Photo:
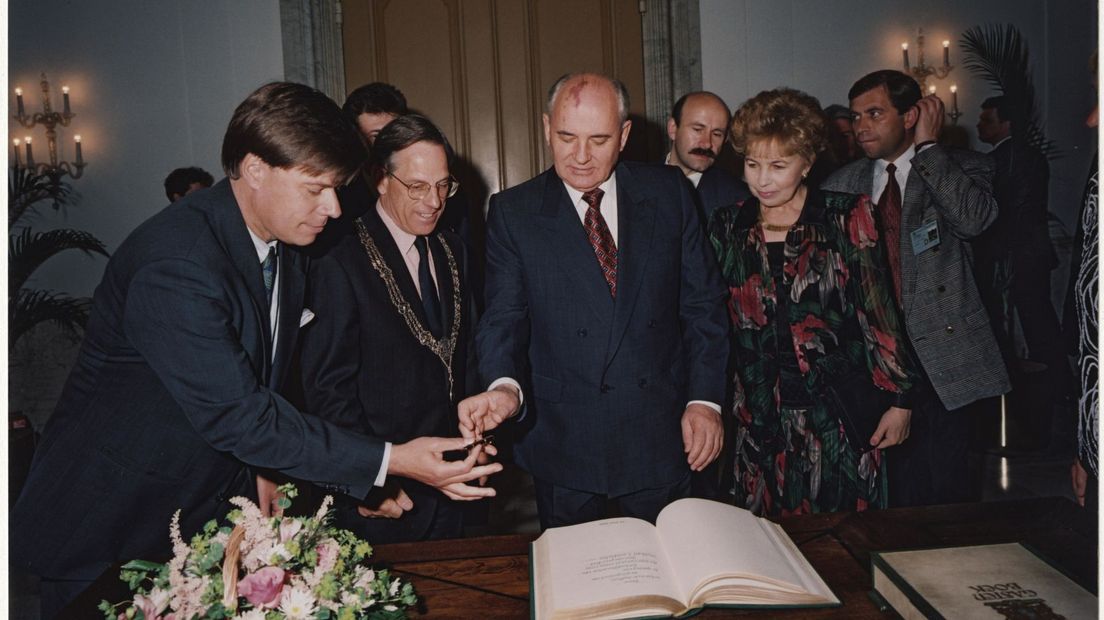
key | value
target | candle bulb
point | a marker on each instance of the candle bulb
(30, 155)
(946, 53)
(19, 101)
(931, 89)
(904, 52)
(15, 148)
(65, 100)
(77, 144)
(954, 97)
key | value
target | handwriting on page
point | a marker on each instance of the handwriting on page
(625, 567)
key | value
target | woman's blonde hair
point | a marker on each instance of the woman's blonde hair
(790, 117)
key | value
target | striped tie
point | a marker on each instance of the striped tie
(600, 238)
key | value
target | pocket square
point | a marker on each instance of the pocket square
(306, 317)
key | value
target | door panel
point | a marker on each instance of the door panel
(480, 69)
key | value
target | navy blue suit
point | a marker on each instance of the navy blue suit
(717, 188)
(365, 370)
(606, 381)
(172, 397)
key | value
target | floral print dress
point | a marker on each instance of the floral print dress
(839, 317)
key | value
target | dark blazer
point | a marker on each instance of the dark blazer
(171, 397)
(946, 322)
(605, 381)
(364, 369)
(1020, 185)
(717, 188)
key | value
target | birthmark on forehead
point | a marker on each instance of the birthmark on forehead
(575, 92)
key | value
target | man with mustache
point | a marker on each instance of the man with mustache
(698, 128)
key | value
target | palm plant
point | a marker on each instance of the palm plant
(27, 250)
(999, 55)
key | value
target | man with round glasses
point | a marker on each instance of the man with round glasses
(389, 351)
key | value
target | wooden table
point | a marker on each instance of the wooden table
(489, 577)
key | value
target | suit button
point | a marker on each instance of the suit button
(605, 388)
(950, 329)
(582, 333)
(941, 288)
(652, 323)
(643, 383)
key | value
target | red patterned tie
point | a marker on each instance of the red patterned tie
(600, 238)
(889, 208)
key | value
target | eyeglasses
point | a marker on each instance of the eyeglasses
(418, 190)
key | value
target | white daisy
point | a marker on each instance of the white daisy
(297, 604)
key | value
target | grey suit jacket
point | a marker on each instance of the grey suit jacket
(946, 322)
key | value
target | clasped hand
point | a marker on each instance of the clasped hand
(423, 459)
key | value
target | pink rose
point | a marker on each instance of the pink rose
(262, 588)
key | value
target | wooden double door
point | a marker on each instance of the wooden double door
(481, 70)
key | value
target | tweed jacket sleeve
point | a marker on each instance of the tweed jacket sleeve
(960, 185)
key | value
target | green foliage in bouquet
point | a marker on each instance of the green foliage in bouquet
(263, 568)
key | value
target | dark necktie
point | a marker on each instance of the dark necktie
(268, 269)
(600, 238)
(430, 302)
(889, 210)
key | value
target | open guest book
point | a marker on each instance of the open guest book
(698, 554)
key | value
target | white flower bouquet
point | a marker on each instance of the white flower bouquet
(263, 568)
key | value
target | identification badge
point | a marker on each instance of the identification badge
(925, 238)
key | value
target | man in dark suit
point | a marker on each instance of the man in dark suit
(371, 107)
(698, 127)
(172, 399)
(604, 302)
(930, 200)
(1015, 252)
(390, 352)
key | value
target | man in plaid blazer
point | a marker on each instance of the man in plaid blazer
(930, 203)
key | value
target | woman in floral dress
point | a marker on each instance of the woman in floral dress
(811, 301)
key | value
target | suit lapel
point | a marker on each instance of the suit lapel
(229, 227)
(635, 225)
(293, 278)
(912, 213)
(569, 245)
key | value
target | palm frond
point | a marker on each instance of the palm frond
(999, 55)
(26, 188)
(29, 308)
(28, 250)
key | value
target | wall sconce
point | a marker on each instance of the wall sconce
(921, 71)
(49, 119)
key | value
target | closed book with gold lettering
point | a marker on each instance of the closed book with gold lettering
(986, 581)
(699, 553)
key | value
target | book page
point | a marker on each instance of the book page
(705, 539)
(601, 562)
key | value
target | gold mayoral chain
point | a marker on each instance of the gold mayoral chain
(443, 349)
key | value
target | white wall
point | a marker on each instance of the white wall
(153, 84)
(823, 47)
